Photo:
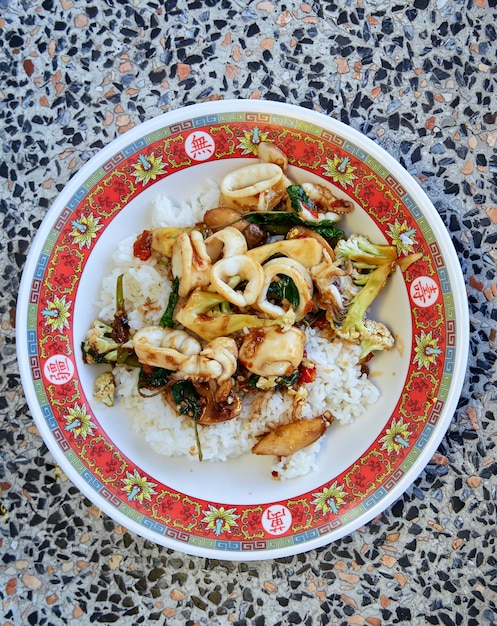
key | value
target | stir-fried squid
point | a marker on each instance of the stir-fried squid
(237, 269)
(264, 264)
(257, 187)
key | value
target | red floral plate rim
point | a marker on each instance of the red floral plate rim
(49, 351)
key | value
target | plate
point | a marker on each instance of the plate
(236, 510)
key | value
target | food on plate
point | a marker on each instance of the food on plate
(239, 322)
(288, 438)
(104, 388)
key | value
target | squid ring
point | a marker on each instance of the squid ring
(241, 189)
(226, 243)
(301, 278)
(244, 269)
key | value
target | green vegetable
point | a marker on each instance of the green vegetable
(280, 222)
(105, 343)
(354, 328)
(299, 199)
(327, 229)
(375, 336)
(281, 382)
(167, 319)
(364, 254)
(188, 402)
(288, 381)
(120, 293)
(120, 324)
(99, 346)
(285, 289)
(199, 315)
(153, 379)
(127, 356)
(104, 388)
(252, 380)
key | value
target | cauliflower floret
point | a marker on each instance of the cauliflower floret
(375, 336)
(99, 347)
(104, 388)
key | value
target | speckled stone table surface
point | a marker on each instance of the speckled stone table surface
(419, 78)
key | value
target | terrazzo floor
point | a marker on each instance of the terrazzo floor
(419, 78)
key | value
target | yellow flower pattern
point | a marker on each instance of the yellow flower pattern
(402, 236)
(251, 139)
(426, 350)
(340, 170)
(85, 230)
(138, 487)
(396, 437)
(78, 422)
(148, 168)
(56, 313)
(330, 499)
(220, 520)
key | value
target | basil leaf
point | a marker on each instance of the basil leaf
(153, 378)
(288, 381)
(189, 403)
(252, 380)
(281, 382)
(299, 199)
(280, 222)
(327, 229)
(285, 288)
(186, 399)
(167, 319)
(276, 222)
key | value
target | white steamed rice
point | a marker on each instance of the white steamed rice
(340, 386)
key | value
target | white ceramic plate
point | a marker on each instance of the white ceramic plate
(235, 510)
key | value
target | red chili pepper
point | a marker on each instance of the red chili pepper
(306, 374)
(313, 212)
(142, 248)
